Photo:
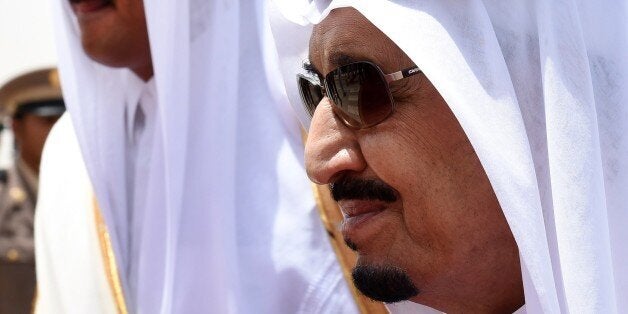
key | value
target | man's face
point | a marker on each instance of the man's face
(114, 33)
(30, 133)
(423, 217)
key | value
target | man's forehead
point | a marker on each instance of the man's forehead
(346, 36)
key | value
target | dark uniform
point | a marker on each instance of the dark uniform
(38, 94)
(17, 261)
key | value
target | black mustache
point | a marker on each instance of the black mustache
(357, 189)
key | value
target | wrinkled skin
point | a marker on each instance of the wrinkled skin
(446, 229)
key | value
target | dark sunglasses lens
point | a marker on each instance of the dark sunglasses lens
(311, 94)
(360, 92)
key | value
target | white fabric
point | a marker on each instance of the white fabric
(140, 117)
(97, 98)
(540, 88)
(229, 223)
(71, 275)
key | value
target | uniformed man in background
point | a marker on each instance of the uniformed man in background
(31, 103)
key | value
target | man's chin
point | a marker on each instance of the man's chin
(384, 283)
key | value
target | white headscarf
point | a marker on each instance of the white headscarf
(231, 225)
(541, 90)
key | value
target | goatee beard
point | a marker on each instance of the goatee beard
(384, 283)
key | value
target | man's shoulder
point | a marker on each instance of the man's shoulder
(63, 179)
(61, 157)
(61, 144)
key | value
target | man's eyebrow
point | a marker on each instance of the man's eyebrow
(310, 69)
(338, 59)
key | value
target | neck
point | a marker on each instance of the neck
(28, 175)
(31, 163)
(500, 299)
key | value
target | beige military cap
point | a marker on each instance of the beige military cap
(37, 92)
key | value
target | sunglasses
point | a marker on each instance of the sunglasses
(359, 92)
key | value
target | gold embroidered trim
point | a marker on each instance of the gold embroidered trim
(109, 259)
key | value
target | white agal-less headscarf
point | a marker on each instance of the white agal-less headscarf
(541, 90)
(231, 224)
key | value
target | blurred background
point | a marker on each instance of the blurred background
(26, 37)
(30, 103)
(26, 45)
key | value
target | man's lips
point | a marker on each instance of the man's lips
(357, 213)
(82, 7)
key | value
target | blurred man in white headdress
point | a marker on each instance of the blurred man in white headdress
(192, 194)
(477, 149)
(31, 103)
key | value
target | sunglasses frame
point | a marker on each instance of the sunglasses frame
(345, 117)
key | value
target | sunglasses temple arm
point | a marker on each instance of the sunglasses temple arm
(402, 74)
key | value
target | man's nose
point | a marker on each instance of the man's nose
(331, 148)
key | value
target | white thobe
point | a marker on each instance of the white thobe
(71, 272)
(139, 128)
(66, 224)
